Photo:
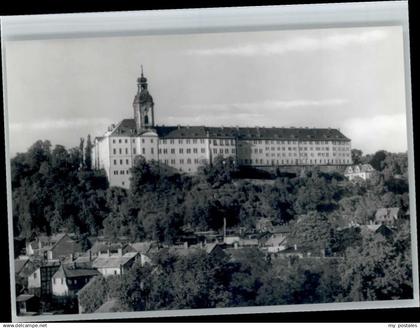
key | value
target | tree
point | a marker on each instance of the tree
(379, 269)
(81, 151)
(144, 176)
(311, 232)
(377, 159)
(220, 172)
(135, 288)
(88, 153)
(356, 155)
(93, 295)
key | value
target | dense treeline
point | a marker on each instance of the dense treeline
(55, 189)
(378, 269)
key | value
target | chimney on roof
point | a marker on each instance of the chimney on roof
(185, 244)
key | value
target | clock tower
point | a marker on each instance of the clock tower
(143, 105)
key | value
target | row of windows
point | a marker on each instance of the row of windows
(121, 172)
(232, 141)
(127, 162)
(292, 162)
(69, 281)
(223, 142)
(181, 141)
(120, 151)
(312, 148)
(181, 161)
(120, 140)
(181, 150)
(341, 148)
(302, 154)
(220, 151)
(317, 154)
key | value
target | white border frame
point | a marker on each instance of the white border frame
(215, 20)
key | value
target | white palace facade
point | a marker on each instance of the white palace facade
(188, 147)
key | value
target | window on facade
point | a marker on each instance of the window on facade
(114, 151)
(181, 150)
(143, 151)
(151, 140)
(226, 150)
(120, 151)
(189, 161)
(121, 161)
(188, 141)
(181, 161)
(180, 141)
(188, 150)
(195, 150)
(194, 141)
(172, 141)
(122, 172)
(113, 140)
(119, 140)
(172, 161)
(203, 150)
(134, 151)
(152, 150)
(172, 150)
(127, 162)
(115, 162)
(215, 142)
(62, 281)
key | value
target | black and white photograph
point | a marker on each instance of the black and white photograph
(263, 170)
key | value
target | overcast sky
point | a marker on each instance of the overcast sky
(351, 79)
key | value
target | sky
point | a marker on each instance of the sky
(351, 79)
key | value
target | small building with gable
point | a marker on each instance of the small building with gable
(361, 171)
(388, 216)
(115, 265)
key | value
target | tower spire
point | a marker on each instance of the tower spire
(141, 70)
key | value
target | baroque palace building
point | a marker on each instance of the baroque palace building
(188, 147)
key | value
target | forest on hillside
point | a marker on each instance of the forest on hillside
(55, 189)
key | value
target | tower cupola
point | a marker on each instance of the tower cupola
(143, 105)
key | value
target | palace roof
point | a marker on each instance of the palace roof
(127, 127)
